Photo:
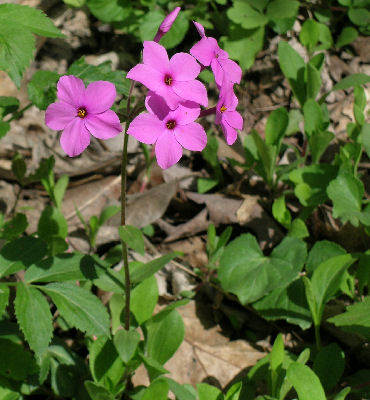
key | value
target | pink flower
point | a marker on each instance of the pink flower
(226, 115)
(166, 24)
(82, 111)
(170, 130)
(172, 79)
(208, 53)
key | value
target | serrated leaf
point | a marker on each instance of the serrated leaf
(34, 317)
(79, 307)
(21, 253)
(133, 237)
(66, 267)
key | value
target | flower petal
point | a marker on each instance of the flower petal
(205, 50)
(169, 20)
(200, 29)
(99, 97)
(156, 105)
(191, 90)
(146, 128)
(231, 70)
(148, 76)
(155, 56)
(218, 72)
(70, 89)
(192, 136)
(104, 125)
(75, 137)
(167, 150)
(186, 112)
(59, 114)
(230, 133)
(183, 67)
(234, 119)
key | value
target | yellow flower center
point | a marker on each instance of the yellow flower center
(223, 108)
(168, 80)
(81, 112)
(171, 124)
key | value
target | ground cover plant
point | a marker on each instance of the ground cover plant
(184, 200)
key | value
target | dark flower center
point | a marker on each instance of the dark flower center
(223, 108)
(81, 112)
(171, 124)
(168, 80)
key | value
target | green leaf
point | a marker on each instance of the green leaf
(245, 15)
(351, 81)
(34, 317)
(305, 382)
(157, 390)
(346, 36)
(342, 394)
(52, 223)
(115, 10)
(164, 336)
(133, 237)
(19, 167)
(144, 298)
(276, 126)
(177, 33)
(59, 190)
(205, 184)
(4, 298)
(280, 212)
(313, 81)
(105, 364)
(311, 183)
(16, 51)
(329, 365)
(322, 251)
(313, 118)
(245, 271)
(153, 367)
(42, 88)
(292, 66)
(4, 126)
(144, 271)
(355, 319)
(182, 392)
(107, 213)
(208, 392)
(359, 105)
(96, 391)
(126, 343)
(103, 72)
(359, 16)
(8, 105)
(278, 9)
(309, 34)
(346, 193)
(277, 353)
(298, 229)
(20, 253)
(14, 228)
(79, 307)
(65, 267)
(319, 143)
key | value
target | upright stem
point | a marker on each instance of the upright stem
(123, 213)
(317, 337)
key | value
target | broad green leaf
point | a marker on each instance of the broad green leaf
(59, 190)
(359, 16)
(346, 36)
(243, 44)
(322, 251)
(164, 336)
(327, 278)
(276, 362)
(280, 212)
(114, 10)
(153, 367)
(102, 72)
(245, 271)
(329, 365)
(346, 192)
(157, 390)
(313, 118)
(208, 392)
(42, 88)
(12, 229)
(8, 104)
(107, 213)
(4, 126)
(292, 66)
(309, 34)
(305, 382)
(355, 319)
(144, 298)
(98, 392)
(34, 317)
(126, 343)
(52, 223)
(351, 81)
(278, 9)
(144, 271)
(342, 394)
(182, 392)
(105, 364)
(16, 50)
(205, 184)
(245, 15)
(298, 229)
(288, 303)
(65, 267)
(111, 281)
(133, 237)
(4, 298)
(325, 38)
(313, 81)
(276, 126)
(311, 183)
(20, 364)
(19, 167)
(79, 307)
(20, 253)
(319, 143)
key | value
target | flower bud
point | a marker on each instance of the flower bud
(166, 24)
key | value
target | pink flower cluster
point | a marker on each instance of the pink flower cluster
(175, 95)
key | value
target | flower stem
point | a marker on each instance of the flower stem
(209, 111)
(123, 214)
